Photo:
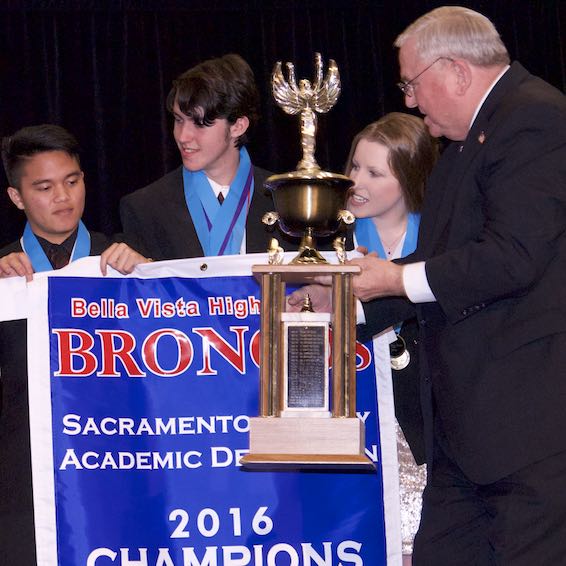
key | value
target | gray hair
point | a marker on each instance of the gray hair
(458, 33)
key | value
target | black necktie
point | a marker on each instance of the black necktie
(220, 197)
(58, 256)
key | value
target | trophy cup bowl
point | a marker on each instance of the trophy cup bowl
(309, 205)
(309, 202)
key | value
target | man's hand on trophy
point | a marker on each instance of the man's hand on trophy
(320, 297)
(379, 278)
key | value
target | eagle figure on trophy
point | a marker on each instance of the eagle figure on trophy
(308, 99)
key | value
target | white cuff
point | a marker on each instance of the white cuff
(360, 314)
(416, 284)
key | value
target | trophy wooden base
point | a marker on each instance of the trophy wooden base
(306, 442)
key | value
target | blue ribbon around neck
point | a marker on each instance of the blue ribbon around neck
(220, 228)
(39, 260)
(368, 236)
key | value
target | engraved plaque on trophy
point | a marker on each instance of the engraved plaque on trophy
(306, 376)
(307, 414)
(305, 364)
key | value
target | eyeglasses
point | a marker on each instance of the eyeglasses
(408, 88)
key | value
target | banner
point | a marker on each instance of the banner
(140, 392)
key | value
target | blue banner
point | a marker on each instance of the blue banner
(152, 383)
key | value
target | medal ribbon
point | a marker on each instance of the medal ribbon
(220, 228)
(367, 235)
(39, 260)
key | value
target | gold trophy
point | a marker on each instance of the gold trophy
(309, 202)
(304, 420)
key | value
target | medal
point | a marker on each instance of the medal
(400, 356)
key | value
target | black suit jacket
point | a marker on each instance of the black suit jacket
(157, 222)
(17, 536)
(493, 235)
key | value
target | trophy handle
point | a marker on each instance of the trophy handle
(270, 218)
(346, 216)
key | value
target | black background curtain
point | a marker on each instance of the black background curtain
(103, 69)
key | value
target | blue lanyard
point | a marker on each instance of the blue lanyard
(367, 235)
(39, 261)
(220, 229)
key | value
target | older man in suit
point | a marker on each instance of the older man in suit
(214, 202)
(486, 283)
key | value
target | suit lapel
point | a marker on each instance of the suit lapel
(448, 185)
(257, 239)
(438, 193)
(179, 221)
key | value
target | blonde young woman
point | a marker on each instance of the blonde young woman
(389, 162)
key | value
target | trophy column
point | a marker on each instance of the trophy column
(272, 293)
(344, 345)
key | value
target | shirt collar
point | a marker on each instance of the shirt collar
(67, 245)
(218, 188)
(487, 92)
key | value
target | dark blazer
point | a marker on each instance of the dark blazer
(406, 394)
(407, 388)
(17, 537)
(493, 234)
(156, 220)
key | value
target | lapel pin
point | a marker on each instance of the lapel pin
(481, 137)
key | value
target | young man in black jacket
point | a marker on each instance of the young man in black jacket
(47, 183)
(214, 202)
